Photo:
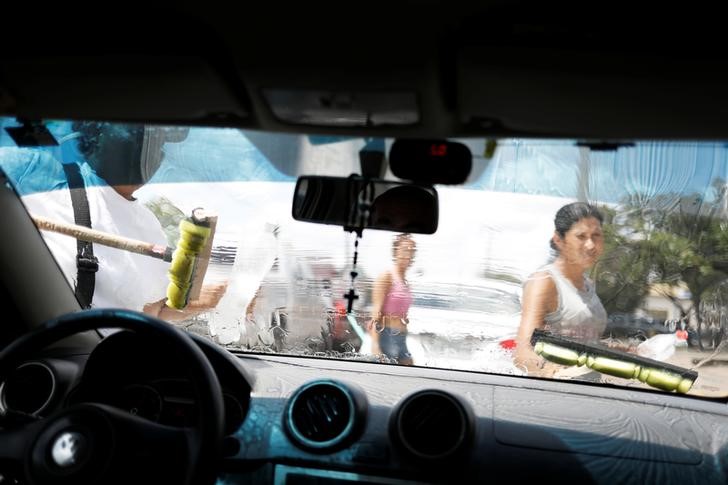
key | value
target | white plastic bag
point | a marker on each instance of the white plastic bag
(254, 257)
(660, 347)
(366, 340)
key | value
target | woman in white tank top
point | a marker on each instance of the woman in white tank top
(560, 297)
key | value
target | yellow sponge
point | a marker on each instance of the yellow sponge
(193, 237)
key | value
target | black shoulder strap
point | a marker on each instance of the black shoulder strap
(86, 263)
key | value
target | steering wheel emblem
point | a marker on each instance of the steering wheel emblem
(68, 448)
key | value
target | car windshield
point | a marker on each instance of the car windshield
(655, 277)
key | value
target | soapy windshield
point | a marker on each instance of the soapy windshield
(635, 296)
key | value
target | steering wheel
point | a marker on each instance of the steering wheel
(96, 443)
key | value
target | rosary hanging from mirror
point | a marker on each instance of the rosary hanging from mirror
(351, 294)
(360, 217)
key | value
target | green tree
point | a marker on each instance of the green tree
(623, 270)
(667, 240)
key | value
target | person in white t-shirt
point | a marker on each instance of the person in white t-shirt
(98, 153)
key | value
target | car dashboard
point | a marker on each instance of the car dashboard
(311, 420)
(440, 426)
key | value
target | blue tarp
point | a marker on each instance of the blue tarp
(556, 168)
(207, 155)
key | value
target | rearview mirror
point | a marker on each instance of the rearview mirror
(355, 202)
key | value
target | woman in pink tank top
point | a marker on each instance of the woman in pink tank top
(392, 298)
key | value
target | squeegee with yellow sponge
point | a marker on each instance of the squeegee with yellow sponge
(188, 262)
(190, 259)
(564, 351)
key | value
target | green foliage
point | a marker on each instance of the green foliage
(623, 270)
(667, 239)
(169, 217)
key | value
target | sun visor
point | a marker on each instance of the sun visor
(517, 92)
(124, 87)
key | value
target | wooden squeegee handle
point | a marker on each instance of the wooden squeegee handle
(105, 239)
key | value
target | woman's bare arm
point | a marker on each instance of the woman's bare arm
(379, 293)
(210, 296)
(539, 299)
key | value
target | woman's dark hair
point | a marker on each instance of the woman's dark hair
(572, 213)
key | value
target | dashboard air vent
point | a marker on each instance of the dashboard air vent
(432, 424)
(29, 389)
(324, 415)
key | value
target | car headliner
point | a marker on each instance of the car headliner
(494, 68)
